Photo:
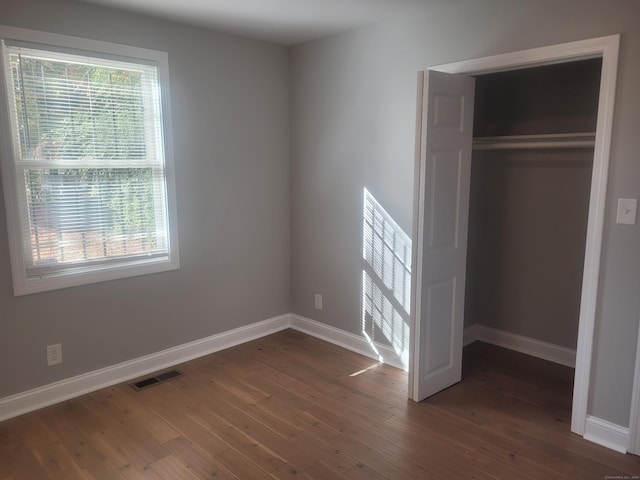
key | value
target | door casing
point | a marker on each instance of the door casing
(606, 48)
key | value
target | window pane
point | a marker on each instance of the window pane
(72, 111)
(77, 215)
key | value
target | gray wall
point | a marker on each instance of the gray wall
(527, 226)
(230, 117)
(529, 208)
(353, 125)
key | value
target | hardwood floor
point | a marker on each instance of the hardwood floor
(289, 406)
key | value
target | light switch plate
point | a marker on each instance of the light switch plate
(627, 210)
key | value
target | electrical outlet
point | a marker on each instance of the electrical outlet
(318, 301)
(54, 354)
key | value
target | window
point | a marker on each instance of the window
(87, 171)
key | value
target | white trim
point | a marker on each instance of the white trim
(606, 434)
(88, 382)
(560, 53)
(595, 229)
(66, 389)
(355, 343)
(470, 335)
(417, 238)
(519, 343)
(607, 48)
(598, 431)
(634, 417)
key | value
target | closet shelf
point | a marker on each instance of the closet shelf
(530, 142)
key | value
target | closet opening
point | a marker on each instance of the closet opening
(533, 139)
(543, 125)
(531, 171)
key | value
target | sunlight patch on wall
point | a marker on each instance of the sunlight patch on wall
(386, 279)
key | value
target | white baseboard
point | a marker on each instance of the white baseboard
(350, 341)
(60, 391)
(597, 430)
(537, 348)
(41, 397)
(470, 335)
(607, 434)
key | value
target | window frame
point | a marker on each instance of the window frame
(88, 273)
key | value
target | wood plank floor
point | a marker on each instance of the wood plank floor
(289, 406)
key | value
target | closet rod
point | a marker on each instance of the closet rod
(530, 142)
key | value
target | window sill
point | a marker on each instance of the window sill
(24, 285)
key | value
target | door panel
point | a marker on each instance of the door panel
(443, 203)
(440, 308)
(441, 240)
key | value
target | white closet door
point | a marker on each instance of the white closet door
(441, 240)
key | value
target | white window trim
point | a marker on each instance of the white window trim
(22, 284)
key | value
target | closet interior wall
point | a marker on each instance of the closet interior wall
(529, 204)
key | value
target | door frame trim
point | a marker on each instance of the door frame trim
(606, 48)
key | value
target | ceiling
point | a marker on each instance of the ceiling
(287, 22)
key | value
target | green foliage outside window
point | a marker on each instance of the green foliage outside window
(70, 114)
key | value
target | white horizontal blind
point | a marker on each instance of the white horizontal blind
(88, 159)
